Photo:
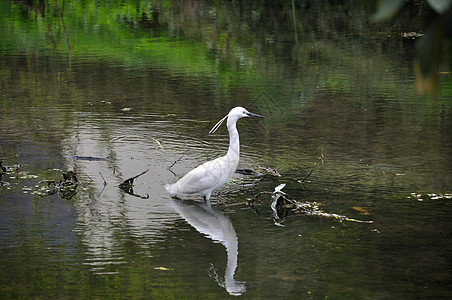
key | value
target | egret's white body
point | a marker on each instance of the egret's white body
(213, 174)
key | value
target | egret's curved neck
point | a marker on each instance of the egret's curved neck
(234, 143)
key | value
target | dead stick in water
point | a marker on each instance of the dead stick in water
(129, 182)
(321, 157)
(175, 162)
(105, 183)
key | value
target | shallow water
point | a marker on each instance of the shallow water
(144, 95)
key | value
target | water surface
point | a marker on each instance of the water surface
(142, 84)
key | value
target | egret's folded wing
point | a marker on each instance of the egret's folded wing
(202, 178)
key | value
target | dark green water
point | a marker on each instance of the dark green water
(140, 83)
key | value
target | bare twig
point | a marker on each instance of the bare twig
(86, 174)
(129, 182)
(175, 162)
(320, 159)
(105, 182)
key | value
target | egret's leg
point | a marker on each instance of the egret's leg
(206, 199)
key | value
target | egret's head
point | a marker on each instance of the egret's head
(235, 114)
(240, 112)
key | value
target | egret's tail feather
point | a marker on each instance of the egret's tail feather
(169, 188)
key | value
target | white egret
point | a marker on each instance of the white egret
(211, 175)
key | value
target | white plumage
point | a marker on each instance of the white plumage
(211, 175)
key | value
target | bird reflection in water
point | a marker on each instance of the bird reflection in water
(211, 222)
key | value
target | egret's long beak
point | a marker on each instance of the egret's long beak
(255, 115)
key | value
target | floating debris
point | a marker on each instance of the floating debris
(411, 35)
(158, 142)
(281, 206)
(91, 158)
(432, 196)
(4, 183)
(163, 269)
(268, 171)
(65, 188)
(361, 210)
(16, 170)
